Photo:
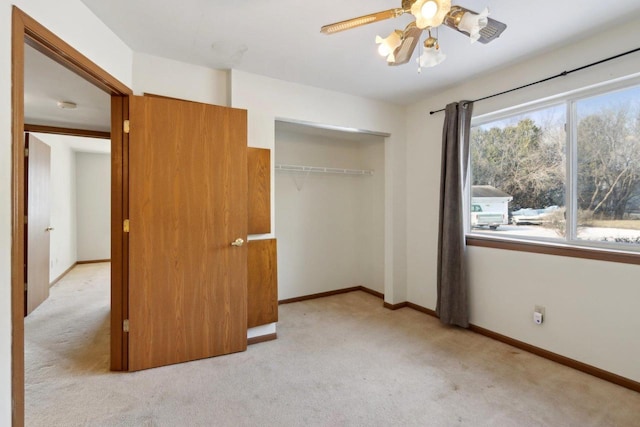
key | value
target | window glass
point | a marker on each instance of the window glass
(518, 175)
(608, 167)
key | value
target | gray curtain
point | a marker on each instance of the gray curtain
(452, 306)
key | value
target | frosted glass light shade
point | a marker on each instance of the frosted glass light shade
(389, 44)
(472, 23)
(430, 18)
(431, 56)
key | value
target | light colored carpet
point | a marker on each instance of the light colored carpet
(338, 361)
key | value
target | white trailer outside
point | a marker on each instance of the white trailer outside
(490, 201)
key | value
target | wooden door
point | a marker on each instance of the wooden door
(187, 204)
(38, 227)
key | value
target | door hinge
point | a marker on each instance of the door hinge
(26, 287)
(125, 126)
(26, 152)
(125, 325)
(26, 219)
(126, 226)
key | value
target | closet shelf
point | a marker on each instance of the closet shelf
(316, 169)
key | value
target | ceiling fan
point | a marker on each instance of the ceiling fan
(399, 46)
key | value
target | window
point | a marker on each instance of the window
(563, 172)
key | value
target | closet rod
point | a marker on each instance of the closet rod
(317, 169)
(562, 74)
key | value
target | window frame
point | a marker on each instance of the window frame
(570, 245)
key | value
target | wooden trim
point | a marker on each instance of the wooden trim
(372, 292)
(556, 249)
(93, 261)
(331, 293)
(395, 306)
(26, 30)
(262, 338)
(57, 279)
(119, 240)
(555, 357)
(43, 40)
(67, 131)
(17, 219)
(320, 295)
(422, 309)
(571, 363)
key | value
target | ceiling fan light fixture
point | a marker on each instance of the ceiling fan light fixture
(386, 46)
(431, 54)
(399, 46)
(472, 23)
(429, 9)
(430, 13)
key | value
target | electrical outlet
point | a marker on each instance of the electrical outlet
(538, 314)
(537, 318)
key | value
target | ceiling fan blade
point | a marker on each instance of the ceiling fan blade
(362, 20)
(410, 39)
(492, 31)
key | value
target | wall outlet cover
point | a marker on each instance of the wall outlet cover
(537, 318)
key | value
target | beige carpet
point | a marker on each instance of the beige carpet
(338, 361)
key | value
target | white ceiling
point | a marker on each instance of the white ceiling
(282, 39)
(76, 143)
(46, 82)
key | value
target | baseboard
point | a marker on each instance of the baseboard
(331, 293)
(395, 306)
(372, 292)
(563, 360)
(262, 338)
(422, 309)
(57, 279)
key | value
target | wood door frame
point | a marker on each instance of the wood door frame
(26, 30)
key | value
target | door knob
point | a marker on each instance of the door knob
(48, 229)
(238, 242)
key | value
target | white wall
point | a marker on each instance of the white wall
(93, 177)
(63, 252)
(74, 23)
(371, 217)
(166, 77)
(268, 99)
(591, 306)
(330, 227)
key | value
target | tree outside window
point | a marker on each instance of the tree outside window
(527, 155)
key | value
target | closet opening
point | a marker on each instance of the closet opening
(329, 209)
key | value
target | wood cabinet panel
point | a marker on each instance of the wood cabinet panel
(262, 282)
(259, 190)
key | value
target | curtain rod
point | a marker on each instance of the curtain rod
(562, 74)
